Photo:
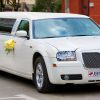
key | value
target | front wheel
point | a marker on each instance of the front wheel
(40, 76)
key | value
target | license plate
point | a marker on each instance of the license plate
(94, 74)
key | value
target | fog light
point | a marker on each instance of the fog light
(65, 77)
(71, 77)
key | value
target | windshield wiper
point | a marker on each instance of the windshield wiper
(62, 36)
(81, 35)
(51, 37)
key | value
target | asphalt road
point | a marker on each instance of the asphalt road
(15, 88)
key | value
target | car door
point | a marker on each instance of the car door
(6, 26)
(22, 57)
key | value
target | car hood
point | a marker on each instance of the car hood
(73, 43)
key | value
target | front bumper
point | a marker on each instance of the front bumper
(71, 68)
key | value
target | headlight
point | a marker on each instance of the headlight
(66, 56)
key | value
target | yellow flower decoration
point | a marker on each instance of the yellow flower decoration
(9, 45)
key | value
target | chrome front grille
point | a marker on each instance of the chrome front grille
(91, 59)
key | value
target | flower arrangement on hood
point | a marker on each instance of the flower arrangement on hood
(9, 45)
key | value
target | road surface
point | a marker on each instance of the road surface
(15, 88)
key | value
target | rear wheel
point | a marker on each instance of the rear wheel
(40, 76)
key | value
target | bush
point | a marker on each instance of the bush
(47, 6)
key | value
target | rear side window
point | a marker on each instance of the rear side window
(6, 25)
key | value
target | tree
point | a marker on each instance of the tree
(1, 5)
(47, 6)
(58, 7)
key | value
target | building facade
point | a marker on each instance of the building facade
(87, 7)
(29, 3)
(18, 5)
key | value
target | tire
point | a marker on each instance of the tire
(41, 77)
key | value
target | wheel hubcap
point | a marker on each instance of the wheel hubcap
(39, 75)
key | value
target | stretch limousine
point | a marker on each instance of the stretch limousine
(50, 48)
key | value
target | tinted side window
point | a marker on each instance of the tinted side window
(24, 25)
(6, 25)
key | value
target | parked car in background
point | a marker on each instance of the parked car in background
(50, 48)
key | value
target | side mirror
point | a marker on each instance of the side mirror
(22, 33)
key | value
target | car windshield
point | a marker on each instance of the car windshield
(65, 27)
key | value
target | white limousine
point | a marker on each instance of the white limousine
(50, 48)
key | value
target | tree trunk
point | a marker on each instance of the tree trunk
(1, 5)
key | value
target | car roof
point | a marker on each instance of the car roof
(39, 15)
